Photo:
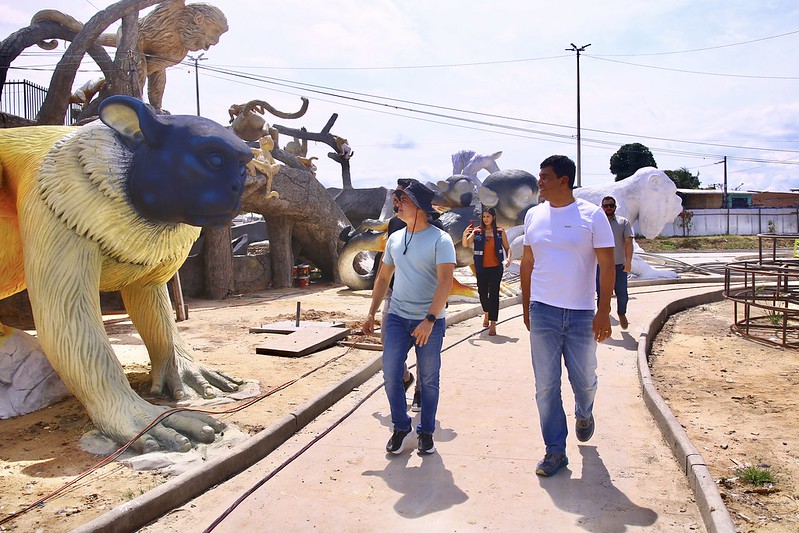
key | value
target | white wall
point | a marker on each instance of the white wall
(741, 222)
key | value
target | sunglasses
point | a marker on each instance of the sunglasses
(608, 205)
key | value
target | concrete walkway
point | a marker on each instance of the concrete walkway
(488, 442)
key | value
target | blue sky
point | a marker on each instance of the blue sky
(692, 80)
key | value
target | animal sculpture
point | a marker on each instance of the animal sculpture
(86, 92)
(469, 163)
(166, 35)
(116, 205)
(648, 197)
(246, 120)
(456, 191)
(510, 192)
(297, 147)
(264, 163)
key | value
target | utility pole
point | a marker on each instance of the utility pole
(575, 48)
(197, 78)
(724, 197)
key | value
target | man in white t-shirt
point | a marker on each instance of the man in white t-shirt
(564, 240)
(421, 257)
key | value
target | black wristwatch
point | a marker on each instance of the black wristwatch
(431, 317)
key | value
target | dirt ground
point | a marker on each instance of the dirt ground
(738, 401)
(40, 452)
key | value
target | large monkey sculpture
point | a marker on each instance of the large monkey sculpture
(166, 35)
(115, 206)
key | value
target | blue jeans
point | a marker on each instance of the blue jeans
(619, 287)
(557, 333)
(397, 342)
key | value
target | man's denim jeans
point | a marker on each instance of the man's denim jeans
(619, 287)
(397, 342)
(557, 333)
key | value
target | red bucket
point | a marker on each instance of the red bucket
(302, 275)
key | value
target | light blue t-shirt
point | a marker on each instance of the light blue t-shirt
(415, 274)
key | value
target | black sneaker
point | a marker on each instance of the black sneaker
(397, 442)
(416, 406)
(584, 429)
(426, 446)
(409, 382)
(551, 464)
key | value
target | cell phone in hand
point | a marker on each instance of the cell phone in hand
(471, 223)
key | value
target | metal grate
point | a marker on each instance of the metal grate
(24, 99)
(766, 307)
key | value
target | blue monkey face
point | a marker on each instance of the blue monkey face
(185, 169)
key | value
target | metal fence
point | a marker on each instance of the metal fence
(24, 99)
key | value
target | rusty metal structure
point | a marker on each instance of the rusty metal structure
(766, 306)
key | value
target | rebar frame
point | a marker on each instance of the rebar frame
(766, 307)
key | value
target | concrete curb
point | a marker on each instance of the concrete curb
(714, 512)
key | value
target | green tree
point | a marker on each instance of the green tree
(630, 158)
(683, 178)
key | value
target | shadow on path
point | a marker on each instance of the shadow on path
(600, 505)
(424, 489)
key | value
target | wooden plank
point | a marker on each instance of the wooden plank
(364, 345)
(303, 341)
(289, 326)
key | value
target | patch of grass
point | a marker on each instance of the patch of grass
(703, 243)
(756, 475)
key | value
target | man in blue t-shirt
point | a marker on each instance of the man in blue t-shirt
(421, 257)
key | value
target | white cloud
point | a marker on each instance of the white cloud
(651, 105)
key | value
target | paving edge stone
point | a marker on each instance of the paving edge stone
(714, 512)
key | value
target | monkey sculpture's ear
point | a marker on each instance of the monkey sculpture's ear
(487, 196)
(132, 119)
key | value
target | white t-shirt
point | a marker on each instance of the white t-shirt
(415, 257)
(563, 241)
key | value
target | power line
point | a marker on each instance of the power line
(748, 76)
(310, 86)
(702, 49)
(363, 98)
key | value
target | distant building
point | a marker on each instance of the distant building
(714, 199)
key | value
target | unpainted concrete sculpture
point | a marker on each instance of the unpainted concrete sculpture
(116, 206)
(469, 163)
(648, 197)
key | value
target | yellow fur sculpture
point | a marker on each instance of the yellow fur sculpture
(68, 230)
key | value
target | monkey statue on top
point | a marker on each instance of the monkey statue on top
(166, 35)
(116, 205)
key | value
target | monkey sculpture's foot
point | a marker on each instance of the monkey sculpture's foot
(123, 418)
(508, 290)
(171, 380)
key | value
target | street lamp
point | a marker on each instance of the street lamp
(575, 48)
(197, 78)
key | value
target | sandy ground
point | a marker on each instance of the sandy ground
(736, 399)
(40, 452)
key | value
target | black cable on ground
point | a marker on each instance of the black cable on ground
(156, 420)
(319, 437)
